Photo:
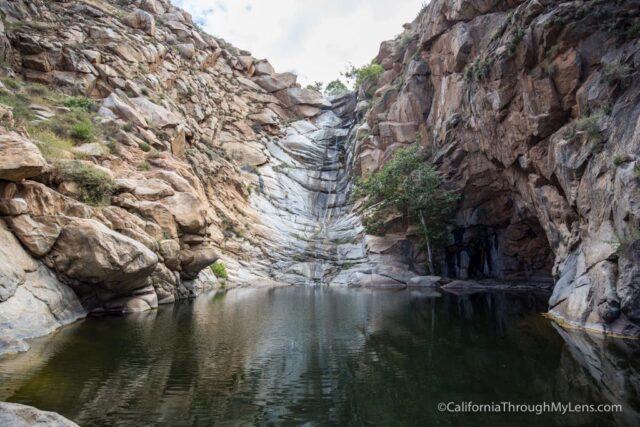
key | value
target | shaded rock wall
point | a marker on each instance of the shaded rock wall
(530, 109)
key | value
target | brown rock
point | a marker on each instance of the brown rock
(19, 158)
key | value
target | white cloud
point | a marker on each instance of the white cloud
(314, 39)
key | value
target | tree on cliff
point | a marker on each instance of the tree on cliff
(336, 88)
(412, 187)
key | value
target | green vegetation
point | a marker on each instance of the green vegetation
(96, 186)
(80, 103)
(589, 125)
(516, 38)
(144, 166)
(335, 88)
(620, 159)
(51, 145)
(82, 131)
(144, 147)
(219, 270)
(479, 69)
(366, 75)
(408, 185)
(616, 73)
(317, 86)
(11, 83)
(555, 50)
(56, 135)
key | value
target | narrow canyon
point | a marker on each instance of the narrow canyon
(144, 162)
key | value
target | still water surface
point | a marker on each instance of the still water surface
(318, 356)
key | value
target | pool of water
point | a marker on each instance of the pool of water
(319, 356)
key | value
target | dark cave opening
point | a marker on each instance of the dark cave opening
(518, 251)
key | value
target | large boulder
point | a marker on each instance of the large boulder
(141, 20)
(196, 259)
(297, 96)
(188, 211)
(263, 67)
(114, 105)
(156, 115)
(16, 415)
(19, 158)
(14, 263)
(88, 252)
(276, 82)
(153, 6)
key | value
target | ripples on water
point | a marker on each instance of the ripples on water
(318, 356)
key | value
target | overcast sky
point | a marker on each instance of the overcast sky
(315, 39)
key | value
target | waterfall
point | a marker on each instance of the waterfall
(314, 236)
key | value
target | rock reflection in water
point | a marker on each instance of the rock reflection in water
(323, 356)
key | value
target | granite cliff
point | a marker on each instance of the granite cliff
(529, 109)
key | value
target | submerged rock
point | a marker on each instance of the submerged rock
(16, 415)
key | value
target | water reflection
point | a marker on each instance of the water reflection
(323, 356)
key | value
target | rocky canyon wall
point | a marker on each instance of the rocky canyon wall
(130, 149)
(531, 110)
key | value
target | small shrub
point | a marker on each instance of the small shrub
(480, 69)
(619, 159)
(11, 83)
(616, 73)
(516, 38)
(366, 75)
(38, 89)
(636, 171)
(82, 131)
(19, 105)
(80, 103)
(144, 147)
(555, 50)
(96, 187)
(144, 166)
(589, 125)
(113, 146)
(219, 270)
(51, 145)
(570, 133)
(335, 88)
(317, 86)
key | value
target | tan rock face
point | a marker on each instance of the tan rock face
(88, 252)
(19, 158)
(508, 99)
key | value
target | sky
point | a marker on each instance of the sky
(314, 39)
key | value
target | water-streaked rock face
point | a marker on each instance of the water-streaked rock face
(303, 199)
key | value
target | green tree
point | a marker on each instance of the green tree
(408, 185)
(365, 75)
(317, 86)
(335, 88)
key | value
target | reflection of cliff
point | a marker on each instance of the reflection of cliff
(482, 348)
(322, 355)
(601, 367)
